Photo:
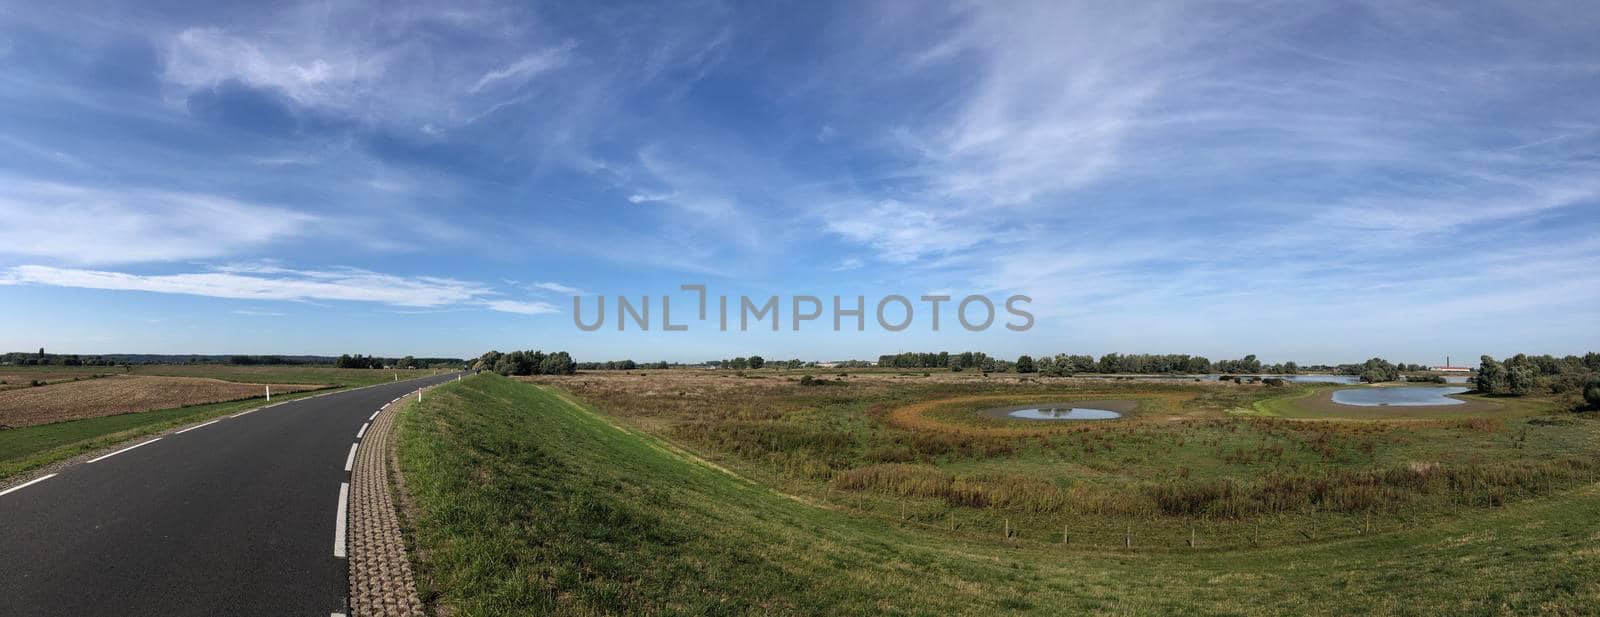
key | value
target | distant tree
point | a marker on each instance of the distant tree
(757, 362)
(1025, 364)
(1290, 368)
(1519, 380)
(1378, 370)
(1492, 378)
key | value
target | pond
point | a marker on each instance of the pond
(1322, 378)
(1406, 396)
(1064, 413)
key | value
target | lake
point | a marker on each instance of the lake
(1064, 413)
(1405, 396)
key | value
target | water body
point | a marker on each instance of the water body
(1406, 396)
(1322, 378)
(1064, 413)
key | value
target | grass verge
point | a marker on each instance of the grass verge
(528, 503)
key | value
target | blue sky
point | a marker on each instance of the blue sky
(1302, 182)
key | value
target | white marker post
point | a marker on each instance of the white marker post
(269, 393)
(419, 395)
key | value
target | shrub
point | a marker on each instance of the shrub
(1591, 392)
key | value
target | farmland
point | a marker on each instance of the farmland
(82, 409)
(120, 394)
(689, 492)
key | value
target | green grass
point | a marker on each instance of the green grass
(31, 447)
(526, 502)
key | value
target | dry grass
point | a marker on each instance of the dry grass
(16, 377)
(120, 394)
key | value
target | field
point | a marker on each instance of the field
(15, 377)
(87, 408)
(121, 394)
(689, 493)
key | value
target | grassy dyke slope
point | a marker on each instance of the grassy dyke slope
(525, 502)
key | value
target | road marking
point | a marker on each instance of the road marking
(124, 450)
(374, 415)
(350, 461)
(27, 484)
(243, 413)
(195, 427)
(363, 430)
(344, 507)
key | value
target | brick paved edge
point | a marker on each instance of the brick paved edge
(381, 582)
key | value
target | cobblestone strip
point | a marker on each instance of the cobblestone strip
(381, 584)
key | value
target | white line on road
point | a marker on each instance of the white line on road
(363, 430)
(344, 507)
(197, 426)
(350, 461)
(27, 484)
(124, 450)
(243, 413)
(374, 415)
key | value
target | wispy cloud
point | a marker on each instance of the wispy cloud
(269, 282)
(523, 69)
(256, 313)
(522, 308)
(559, 288)
(84, 225)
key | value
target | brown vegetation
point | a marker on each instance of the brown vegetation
(119, 394)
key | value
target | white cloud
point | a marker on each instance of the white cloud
(522, 308)
(268, 282)
(324, 75)
(523, 69)
(902, 232)
(640, 198)
(255, 313)
(99, 226)
(560, 289)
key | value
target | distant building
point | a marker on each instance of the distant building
(1450, 369)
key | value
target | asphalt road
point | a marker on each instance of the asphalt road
(232, 518)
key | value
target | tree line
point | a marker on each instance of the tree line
(532, 362)
(407, 362)
(40, 358)
(1523, 374)
(1072, 364)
